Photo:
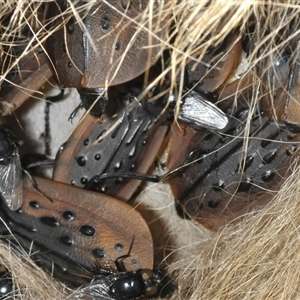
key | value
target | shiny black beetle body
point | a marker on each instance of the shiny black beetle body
(127, 286)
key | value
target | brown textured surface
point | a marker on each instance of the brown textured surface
(222, 175)
(115, 223)
(109, 27)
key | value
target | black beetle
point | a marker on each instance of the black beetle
(127, 286)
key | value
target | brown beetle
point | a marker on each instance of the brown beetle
(221, 176)
(107, 47)
(78, 232)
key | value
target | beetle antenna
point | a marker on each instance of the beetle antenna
(74, 113)
(35, 186)
(130, 175)
(97, 178)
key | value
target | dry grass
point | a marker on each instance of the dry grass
(29, 281)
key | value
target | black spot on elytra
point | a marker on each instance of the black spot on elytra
(105, 23)
(81, 161)
(97, 156)
(70, 26)
(99, 253)
(117, 46)
(68, 215)
(34, 204)
(244, 186)
(66, 240)
(268, 176)
(118, 180)
(119, 247)
(291, 150)
(50, 221)
(269, 157)
(83, 180)
(248, 162)
(87, 230)
(213, 203)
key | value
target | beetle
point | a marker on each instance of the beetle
(217, 65)
(212, 176)
(90, 57)
(127, 285)
(77, 234)
(139, 129)
(78, 243)
(222, 175)
(93, 58)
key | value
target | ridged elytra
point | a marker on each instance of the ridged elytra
(138, 133)
(222, 177)
(106, 48)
